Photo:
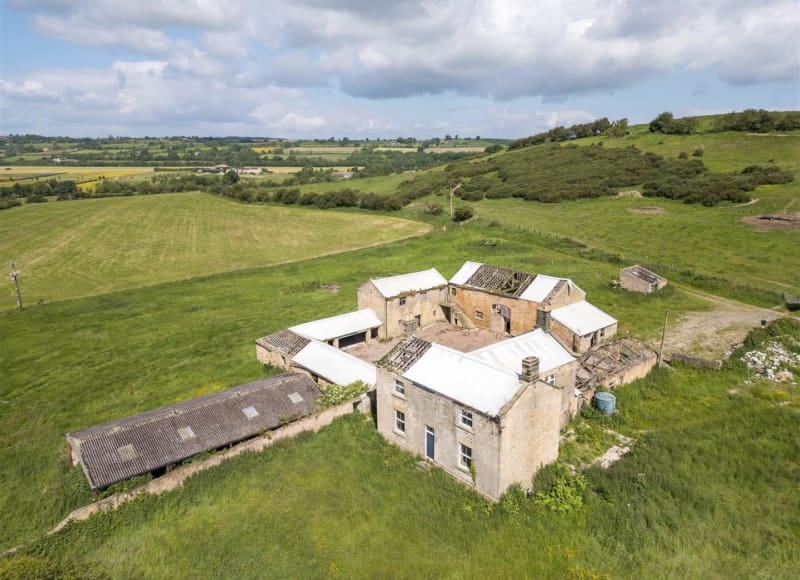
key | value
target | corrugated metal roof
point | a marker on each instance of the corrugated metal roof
(534, 288)
(413, 282)
(335, 365)
(508, 354)
(582, 318)
(540, 288)
(339, 326)
(121, 449)
(465, 273)
(543, 286)
(464, 378)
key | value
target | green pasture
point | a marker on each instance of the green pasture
(709, 491)
(70, 249)
(728, 151)
(662, 232)
(71, 364)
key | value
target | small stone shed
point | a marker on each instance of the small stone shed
(637, 278)
(157, 439)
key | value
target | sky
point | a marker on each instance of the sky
(372, 69)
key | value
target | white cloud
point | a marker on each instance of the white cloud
(294, 122)
(225, 58)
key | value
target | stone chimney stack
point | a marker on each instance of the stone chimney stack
(530, 369)
(543, 319)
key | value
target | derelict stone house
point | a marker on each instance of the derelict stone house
(512, 302)
(504, 300)
(406, 302)
(639, 279)
(434, 401)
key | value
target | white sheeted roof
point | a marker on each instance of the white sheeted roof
(338, 326)
(335, 365)
(582, 318)
(508, 354)
(465, 272)
(413, 282)
(541, 287)
(464, 378)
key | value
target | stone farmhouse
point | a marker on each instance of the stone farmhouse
(490, 417)
(489, 412)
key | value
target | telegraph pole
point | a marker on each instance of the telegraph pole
(14, 277)
(663, 336)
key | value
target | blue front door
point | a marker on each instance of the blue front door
(430, 442)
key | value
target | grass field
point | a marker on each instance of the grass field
(70, 249)
(709, 490)
(712, 241)
(657, 231)
(71, 364)
(85, 175)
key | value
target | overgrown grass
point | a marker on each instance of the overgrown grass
(72, 364)
(709, 491)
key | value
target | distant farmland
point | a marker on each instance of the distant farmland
(70, 249)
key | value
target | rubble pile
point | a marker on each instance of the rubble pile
(773, 363)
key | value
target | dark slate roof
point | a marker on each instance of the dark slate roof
(285, 342)
(142, 443)
(500, 280)
(406, 353)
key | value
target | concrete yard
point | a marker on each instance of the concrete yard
(444, 333)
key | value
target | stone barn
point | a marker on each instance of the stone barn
(404, 303)
(581, 326)
(503, 300)
(324, 363)
(160, 438)
(639, 279)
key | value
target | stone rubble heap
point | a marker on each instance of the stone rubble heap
(772, 362)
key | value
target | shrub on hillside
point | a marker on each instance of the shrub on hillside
(463, 213)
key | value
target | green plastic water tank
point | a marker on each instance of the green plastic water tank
(605, 402)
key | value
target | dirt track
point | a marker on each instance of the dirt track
(711, 334)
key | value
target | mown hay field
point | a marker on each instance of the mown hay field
(26, 173)
(70, 249)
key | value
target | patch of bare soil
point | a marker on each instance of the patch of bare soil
(712, 334)
(775, 221)
(632, 193)
(615, 453)
(649, 210)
